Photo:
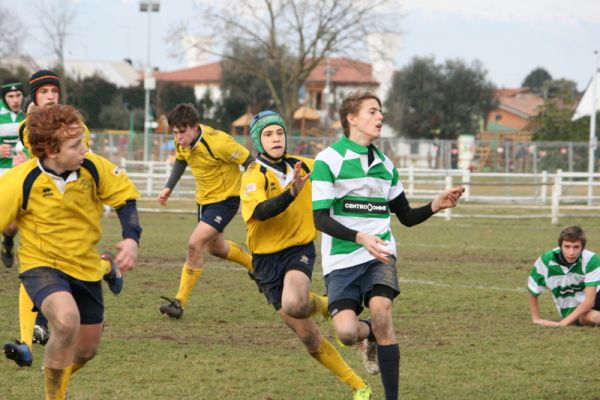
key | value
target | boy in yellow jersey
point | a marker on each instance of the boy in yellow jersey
(215, 159)
(44, 88)
(57, 200)
(276, 206)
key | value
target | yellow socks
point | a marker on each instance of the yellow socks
(57, 381)
(26, 317)
(327, 355)
(237, 255)
(76, 367)
(319, 305)
(189, 278)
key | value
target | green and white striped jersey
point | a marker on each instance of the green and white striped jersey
(566, 284)
(357, 196)
(9, 131)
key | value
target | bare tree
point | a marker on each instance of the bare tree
(12, 34)
(290, 36)
(56, 19)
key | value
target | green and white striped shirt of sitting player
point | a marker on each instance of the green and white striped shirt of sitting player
(358, 197)
(566, 283)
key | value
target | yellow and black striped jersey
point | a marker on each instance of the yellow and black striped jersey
(59, 219)
(215, 161)
(294, 226)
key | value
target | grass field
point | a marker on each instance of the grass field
(462, 321)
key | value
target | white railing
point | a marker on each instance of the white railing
(150, 178)
(567, 189)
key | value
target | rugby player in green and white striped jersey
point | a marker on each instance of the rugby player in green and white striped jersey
(572, 274)
(355, 187)
(11, 92)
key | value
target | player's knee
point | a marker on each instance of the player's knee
(592, 318)
(347, 335)
(66, 327)
(295, 309)
(195, 248)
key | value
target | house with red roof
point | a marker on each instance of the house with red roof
(340, 75)
(203, 78)
(510, 119)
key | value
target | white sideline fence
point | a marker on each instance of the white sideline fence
(569, 190)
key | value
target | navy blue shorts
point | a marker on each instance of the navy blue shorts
(218, 215)
(353, 287)
(43, 281)
(270, 269)
(597, 303)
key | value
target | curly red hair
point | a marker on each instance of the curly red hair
(49, 127)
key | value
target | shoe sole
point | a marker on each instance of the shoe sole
(166, 314)
(13, 355)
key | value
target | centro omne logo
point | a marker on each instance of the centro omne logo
(364, 207)
(46, 192)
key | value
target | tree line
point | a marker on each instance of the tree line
(267, 51)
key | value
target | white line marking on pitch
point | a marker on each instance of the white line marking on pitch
(442, 284)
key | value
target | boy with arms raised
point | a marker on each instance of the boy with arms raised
(572, 274)
(355, 187)
(215, 159)
(276, 206)
(56, 199)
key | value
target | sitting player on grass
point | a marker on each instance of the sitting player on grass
(572, 274)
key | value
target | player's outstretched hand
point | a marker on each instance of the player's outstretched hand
(447, 199)
(163, 196)
(298, 181)
(374, 245)
(126, 258)
(546, 322)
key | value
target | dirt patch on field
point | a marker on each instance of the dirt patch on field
(275, 334)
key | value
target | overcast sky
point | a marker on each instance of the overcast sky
(510, 37)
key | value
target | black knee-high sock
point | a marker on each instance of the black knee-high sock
(389, 367)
